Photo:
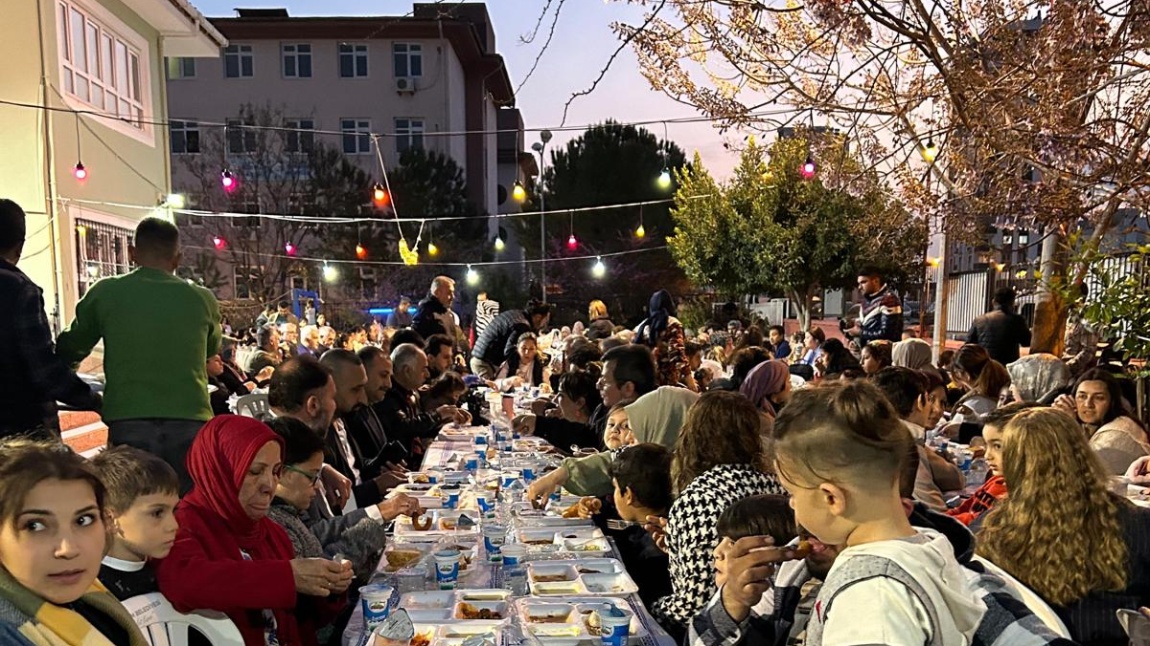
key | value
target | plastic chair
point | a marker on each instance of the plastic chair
(163, 626)
(1136, 623)
(253, 405)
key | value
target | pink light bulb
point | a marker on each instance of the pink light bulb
(572, 242)
(79, 172)
(228, 181)
(219, 242)
(290, 249)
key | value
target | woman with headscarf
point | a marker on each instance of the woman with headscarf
(230, 557)
(1038, 378)
(768, 387)
(663, 333)
(915, 354)
(655, 417)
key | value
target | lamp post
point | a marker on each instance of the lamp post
(539, 147)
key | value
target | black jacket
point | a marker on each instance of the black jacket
(366, 492)
(1001, 332)
(404, 421)
(881, 316)
(498, 342)
(425, 320)
(600, 329)
(562, 433)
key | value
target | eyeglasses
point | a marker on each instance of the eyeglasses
(313, 477)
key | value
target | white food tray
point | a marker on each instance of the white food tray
(569, 621)
(584, 577)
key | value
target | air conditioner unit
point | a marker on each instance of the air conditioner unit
(405, 84)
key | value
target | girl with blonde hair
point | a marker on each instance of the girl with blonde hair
(1060, 531)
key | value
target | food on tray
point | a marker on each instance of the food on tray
(421, 478)
(421, 523)
(447, 523)
(599, 588)
(587, 570)
(422, 639)
(552, 578)
(592, 621)
(803, 549)
(399, 559)
(591, 546)
(539, 504)
(585, 507)
(547, 619)
(539, 541)
(468, 611)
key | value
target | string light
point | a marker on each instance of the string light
(175, 201)
(572, 241)
(472, 276)
(640, 231)
(432, 250)
(665, 179)
(219, 243)
(499, 244)
(361, 252)
(379, 196)
(330, 273)
(929, 151)
(518, 193)
(228, 181)
(289, 248)
(78, 171)
(82, 230)
(598, 270)
(809, 167)
(93, 270)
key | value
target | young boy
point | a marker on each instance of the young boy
(641, 474)
(142, 495)
(840, 451)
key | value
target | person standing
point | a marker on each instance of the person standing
(401, 317)
(499, 342)
(434, 313)
(158, 333)
(32, 377)
(486, 310)
(309, 312)
(881, 315)
(1001, 331)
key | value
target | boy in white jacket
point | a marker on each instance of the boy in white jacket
(839, 451)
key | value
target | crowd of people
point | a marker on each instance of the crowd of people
(779, 489)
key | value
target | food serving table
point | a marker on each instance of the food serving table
(571, 567)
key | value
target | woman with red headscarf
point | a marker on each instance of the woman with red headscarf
(230, 557)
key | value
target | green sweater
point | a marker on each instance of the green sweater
(158, 333)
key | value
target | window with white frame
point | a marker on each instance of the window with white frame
(185, 137)
(356, 136)
(99, 67)
(181, 68)
(238, 61)
(408, 59)
(240, 139)
(296, 60)
(299, 138)
(408, 134)
(352, 60)
(243, 281)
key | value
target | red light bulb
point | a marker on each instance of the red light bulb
(228, 181)
(360, 251)
(379, 196)
(219, 243)
(572, 243)
(809, 168)
(79, 172)
(289, 248)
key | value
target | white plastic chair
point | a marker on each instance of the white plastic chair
(163, 626)
(253, 405)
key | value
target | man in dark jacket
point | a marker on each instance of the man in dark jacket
(433, 316)
(499, 340)
(1001, 331)
(881, 315)
(32, 377)
(402, 416)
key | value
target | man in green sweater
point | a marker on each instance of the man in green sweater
(158, 332)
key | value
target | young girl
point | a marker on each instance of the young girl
(840, 451)
(617, 433)
(52, 540)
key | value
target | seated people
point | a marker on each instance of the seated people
(269, 356)
(973, 510)
(767, 514)
(230, 557)
(440, 350)
(1061, 532)
(400, 411)
(885, 580)
(1038, 378)
(356, 535)
(983, 378)
(642, 479)
(142, 492)
(52, 537)
(577, 396)
(618, 433)
(719, 458)
(526, 370)
(445, 390)
(1115, 433)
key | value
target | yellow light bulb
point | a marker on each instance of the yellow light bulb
(432, 249)
(640, 232)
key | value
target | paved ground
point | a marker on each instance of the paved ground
(84, 432)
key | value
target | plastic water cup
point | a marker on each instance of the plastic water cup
(615, 626)
(494, 536)
(472, 463)
(376, 601)
(528, 474)
(514, 554)
(447, 568)
(452, 500)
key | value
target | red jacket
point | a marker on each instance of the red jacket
(983, 499)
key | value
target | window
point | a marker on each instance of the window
(244, 281)
(297, 60)
(99, 67)
(101, 250)
(298, 282)
(181, 68)
(238, 61)
(352, 61)
(298, 140)
(408, 134)
(185, 137)
(408, 59)
(240, 140)
(356, 136)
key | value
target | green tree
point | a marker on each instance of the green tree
(770, 230)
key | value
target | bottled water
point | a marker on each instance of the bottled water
(977, 473)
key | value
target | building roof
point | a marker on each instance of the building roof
(185, 31)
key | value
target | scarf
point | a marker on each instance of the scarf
(659, 416)
(48, 624)
(659, 310)
(217, 462)
(912, 353)
(766, 379)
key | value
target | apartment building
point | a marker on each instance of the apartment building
(83, 86)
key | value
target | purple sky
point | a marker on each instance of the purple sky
(583, 41)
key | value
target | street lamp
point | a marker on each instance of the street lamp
(539, 147)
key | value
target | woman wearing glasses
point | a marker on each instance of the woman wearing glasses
(229, 556)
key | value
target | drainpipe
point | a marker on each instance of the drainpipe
(52, 208)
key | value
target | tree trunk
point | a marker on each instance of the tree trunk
(802, 305)
(1051, 311)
